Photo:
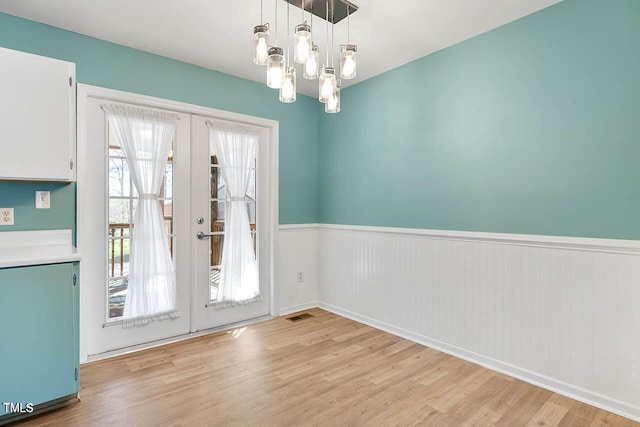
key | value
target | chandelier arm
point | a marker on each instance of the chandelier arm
(332, 40)
(327, 7)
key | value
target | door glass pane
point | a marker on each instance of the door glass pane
(217, 213)
(119, 211)
(214, 281)
(254, 236)
(118, 254)
(167, 207)
(117, 295)
(218, 190)
(251, 210)
(217, 241)
(251, 189)
(119, 178)
(168, 182)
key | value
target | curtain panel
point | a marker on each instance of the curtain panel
(235, 147)
(145, 137)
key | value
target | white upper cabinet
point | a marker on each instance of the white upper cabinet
(37, 118)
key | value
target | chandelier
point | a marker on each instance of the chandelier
(281, 72)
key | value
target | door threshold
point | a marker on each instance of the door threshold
(171, 340)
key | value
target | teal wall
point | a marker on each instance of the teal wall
(113, 66)
(533, 128)
(530, 128)
(21, 197)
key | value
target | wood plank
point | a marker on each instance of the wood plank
(325, 370)
(549, 415)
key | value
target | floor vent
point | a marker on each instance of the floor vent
(300, 317)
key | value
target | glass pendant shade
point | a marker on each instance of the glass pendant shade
(348, 61)
(275, 67)
(260, 44)
(281, 74)
(312, 65)
(302, 43)
(288, 89)
(333, 103)
(327, 83)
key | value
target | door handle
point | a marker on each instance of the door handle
(201, 236)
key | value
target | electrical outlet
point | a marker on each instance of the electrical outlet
(43, 200)
(300, 276)
(6, 216)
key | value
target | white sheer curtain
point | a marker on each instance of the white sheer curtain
(235, 146)
(145, 137)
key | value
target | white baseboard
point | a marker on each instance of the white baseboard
(565, 389)
(298, 307)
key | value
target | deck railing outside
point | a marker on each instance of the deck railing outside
(119, 264)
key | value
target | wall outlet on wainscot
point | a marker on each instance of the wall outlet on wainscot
(6, 216)
(300, 276)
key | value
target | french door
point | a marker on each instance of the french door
(209, 201)
(106, 188)
(193, 200)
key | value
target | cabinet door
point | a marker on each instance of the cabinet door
(37, 117)
(38, 343)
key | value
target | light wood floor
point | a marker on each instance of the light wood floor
(326, 370)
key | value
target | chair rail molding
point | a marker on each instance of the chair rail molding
(614, 246)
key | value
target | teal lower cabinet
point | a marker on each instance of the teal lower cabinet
(39, 341)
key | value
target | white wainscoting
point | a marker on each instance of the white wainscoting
(297, 252)
(562, 313)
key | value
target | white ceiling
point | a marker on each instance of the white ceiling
(216, 34)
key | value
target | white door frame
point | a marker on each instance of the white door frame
(83, 185)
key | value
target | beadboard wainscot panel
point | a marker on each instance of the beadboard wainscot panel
(297, 252)
(559, 312)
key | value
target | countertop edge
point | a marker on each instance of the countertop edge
(40, 260)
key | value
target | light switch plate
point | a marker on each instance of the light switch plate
(43, 200)
(6, 216)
